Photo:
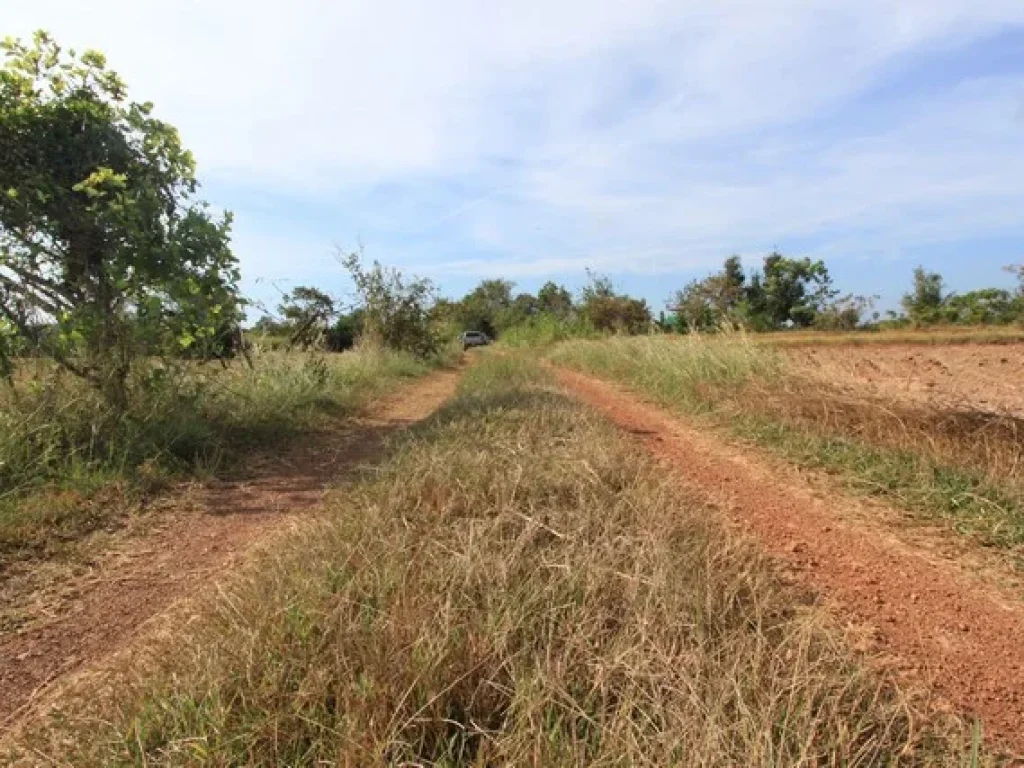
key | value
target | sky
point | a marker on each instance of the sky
(532, 140)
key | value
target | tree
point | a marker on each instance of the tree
(786, 292)
(924, 304)
(396, 310)
(487, 307)
(988, 306)
(554, 299)
(309, 312)
(609, 311)
(345, 331)
(844, 313)
(101, 239)
(706, 304)
(789, 292)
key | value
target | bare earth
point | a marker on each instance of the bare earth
(984, 377)
(101, 612)
(938, 625)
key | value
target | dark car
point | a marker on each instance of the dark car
(473, 339)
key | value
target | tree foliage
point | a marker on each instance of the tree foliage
(555, 300)
(396, 310)
(612, 312)
(308, 313)
(928, 303)
(102, 242)
(924, 303)
(786, 292)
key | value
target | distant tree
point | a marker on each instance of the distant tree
(308, 313)
(554, 299)
(346, 331)
(524, 306)
(988, 306)
(488, 308)
(706, 304)
(925, 303)
(789, 292)
(270, 326)
(101, 239)
(609, 311)
(396, 310)
(786, 292)
(845, 313)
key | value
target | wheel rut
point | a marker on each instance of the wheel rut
(965, 641)
(107, 609)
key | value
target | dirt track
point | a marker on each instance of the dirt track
(109, 607)
(958, 636)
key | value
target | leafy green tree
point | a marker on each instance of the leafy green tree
(789, 292)
(706, 304)
(488, 307)
(345, 331)
(308, 312)
(786, 292)
(988, 306)
(101, 238)
(608, 311)
(396, 310)
(524, 306)
(554, 299)
(925, 303)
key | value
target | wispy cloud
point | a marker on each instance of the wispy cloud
(649, 137)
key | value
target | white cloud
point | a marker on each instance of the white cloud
(651, 135)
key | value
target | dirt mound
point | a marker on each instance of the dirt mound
(958, 636)
(103, 611)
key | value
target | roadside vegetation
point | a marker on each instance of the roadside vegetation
(70, 465)
(961, 466)
(513, 585)
(123, 362)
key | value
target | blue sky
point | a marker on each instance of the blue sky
(645, 139)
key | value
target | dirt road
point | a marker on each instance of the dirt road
(109, 607)
(956, 635)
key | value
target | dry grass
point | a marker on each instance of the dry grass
(514, 586)
(962, 466)
(70, 467)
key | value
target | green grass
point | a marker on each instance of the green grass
(515, 585)
(959, 468)
(68, 467)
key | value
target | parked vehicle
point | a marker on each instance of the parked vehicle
(473, 339)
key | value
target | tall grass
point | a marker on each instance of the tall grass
(546, 329)
(514, 586)
(67, 461)
(961, 466)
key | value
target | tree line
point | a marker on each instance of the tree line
(784, 293)
(408, 312)
(799, 293)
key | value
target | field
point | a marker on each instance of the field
(981, 378)
(639, 551)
